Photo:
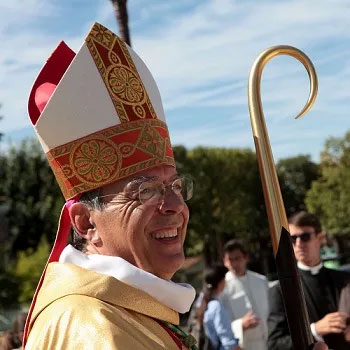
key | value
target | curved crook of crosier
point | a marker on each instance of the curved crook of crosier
(272, 193)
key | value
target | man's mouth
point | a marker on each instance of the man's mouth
(165, 235)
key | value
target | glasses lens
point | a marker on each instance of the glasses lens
(150, 190)
(305, 237)
(183, 186)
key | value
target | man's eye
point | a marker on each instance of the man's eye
(177, 187)
(147, 191)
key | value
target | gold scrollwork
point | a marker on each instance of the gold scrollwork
(139, 111)
(95, 160)
(125, 85)
(127, 149)
(67, 171)
(114, 58)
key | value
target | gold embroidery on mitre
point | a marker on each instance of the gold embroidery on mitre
(107, 155)
(127, 149)
(152, 142)
(119, 73)
(95, 160)
(140, 111)
(124, 85)
(113, 57)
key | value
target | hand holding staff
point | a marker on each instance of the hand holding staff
(293, 296)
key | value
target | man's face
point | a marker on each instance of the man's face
(306, 251)
(236, 262)
(150, 235)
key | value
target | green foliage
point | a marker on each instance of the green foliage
(9, 290)
(29, 267)
(329, 196)
(296, 175)
(33, 197)
(227, 202)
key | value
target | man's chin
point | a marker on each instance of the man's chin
(166, 266)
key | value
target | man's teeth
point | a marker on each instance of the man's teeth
(170, 234)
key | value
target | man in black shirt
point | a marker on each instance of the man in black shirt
(321, 287)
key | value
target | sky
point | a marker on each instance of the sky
(200, 54)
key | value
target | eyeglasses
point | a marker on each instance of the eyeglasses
(153, 191)
(305, 237)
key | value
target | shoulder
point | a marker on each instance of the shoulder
(338, 273)
(257, 276)
(215, 306)
(77, 314)
(76, 304)
(340, 277)
(229, 276)
(71, 321)
(275, 292)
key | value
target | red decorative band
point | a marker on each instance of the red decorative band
(109, 155)
(119, 74)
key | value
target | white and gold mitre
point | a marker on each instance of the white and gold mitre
(98, 114)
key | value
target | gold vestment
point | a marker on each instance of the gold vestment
(78, 309)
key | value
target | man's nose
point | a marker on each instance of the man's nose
(298, 241)
(171, 202)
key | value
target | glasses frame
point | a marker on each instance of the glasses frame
(186, 178)
(304, 237)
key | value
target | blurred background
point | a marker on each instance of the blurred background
(200, 54)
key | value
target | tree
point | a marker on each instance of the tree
(9, 290)
(29, 267)
(121, 14)
(296, 175)
(33, 197)
(329, 196)
(227, 203)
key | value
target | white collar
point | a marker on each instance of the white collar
(231, 275)
(243, 278)
(313, 269)
(177, 296)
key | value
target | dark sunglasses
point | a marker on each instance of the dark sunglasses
(305, 237)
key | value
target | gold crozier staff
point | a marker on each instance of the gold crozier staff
(293, 296)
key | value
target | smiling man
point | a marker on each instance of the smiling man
(321, 287)
(99, 118)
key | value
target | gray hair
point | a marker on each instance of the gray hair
(93, 201)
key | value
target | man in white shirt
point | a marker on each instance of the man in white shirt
(246, 298)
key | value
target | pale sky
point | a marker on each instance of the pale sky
(200, 53)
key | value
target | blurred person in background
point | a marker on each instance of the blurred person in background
(344, 306)
(322, 287)
(12, 339)
(246, 298)
(212, 313)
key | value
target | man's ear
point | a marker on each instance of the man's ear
(82, 222)
(224, 260)
(322, 236)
